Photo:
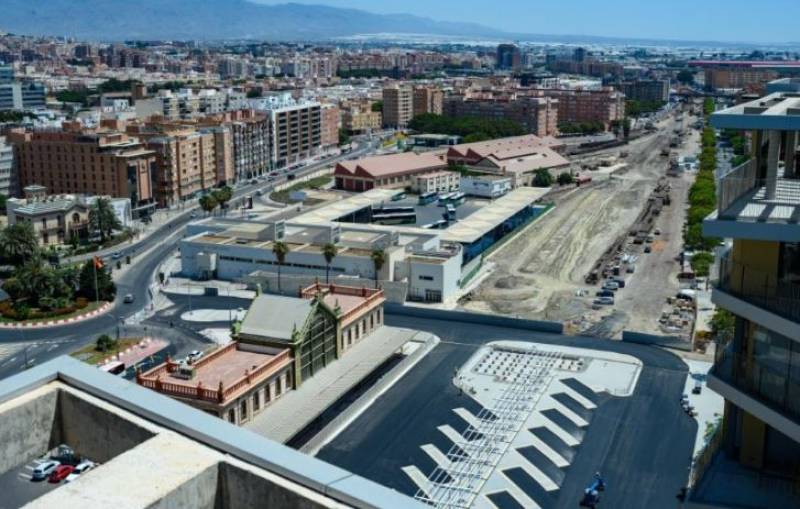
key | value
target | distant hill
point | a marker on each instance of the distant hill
(210, 19)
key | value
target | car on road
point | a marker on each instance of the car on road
(83, 467)
(253, 182)
(193, 215)
(604, 301)
(260, 192)
(116, 256)
(128, 299)
(60, 473)
(44, 469)
(194, 356)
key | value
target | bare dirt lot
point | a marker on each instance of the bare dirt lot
(540, 273)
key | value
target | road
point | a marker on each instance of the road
(38, 345)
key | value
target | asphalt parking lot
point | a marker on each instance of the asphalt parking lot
(642, 444)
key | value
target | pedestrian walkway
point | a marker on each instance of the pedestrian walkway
(296, 409)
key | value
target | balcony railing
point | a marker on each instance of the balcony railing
(776, 386)
(760, 288)
(769, 198)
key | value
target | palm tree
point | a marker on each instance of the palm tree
(329, 251)
(378, 259)
(18, 243)
(280, 250)
(103, 218)
(208, 202)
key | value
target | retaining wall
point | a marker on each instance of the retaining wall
(656, 340)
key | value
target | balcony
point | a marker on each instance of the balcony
(761, 289)
(763, 387)
(755, 208)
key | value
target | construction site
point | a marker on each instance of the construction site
(632, 210)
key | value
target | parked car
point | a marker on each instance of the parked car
(620, 282)
(254, 182)
(604, 301)
(648, 249)
(611, 285)
(128, 299)
(195, 355)
(44, 469)
(631, 269)
(83, 466)
(604, 293)
(60, 473)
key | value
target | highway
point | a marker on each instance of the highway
(37, 345)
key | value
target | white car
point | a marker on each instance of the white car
(44, 469)
(194, 356)
(83, 467)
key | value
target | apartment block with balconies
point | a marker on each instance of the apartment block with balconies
(753, 460)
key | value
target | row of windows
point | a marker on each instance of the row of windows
(271, 262)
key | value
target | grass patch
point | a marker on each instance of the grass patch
(92, 306)
(315, 183)
(90, 355)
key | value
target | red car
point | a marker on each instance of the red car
(60, 473)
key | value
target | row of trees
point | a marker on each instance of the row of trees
(590, 127)
(702, 195)
(472, 129)
(216, 198)
(634, 108)
(329, 252)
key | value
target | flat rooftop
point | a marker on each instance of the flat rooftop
(490, 216)
(349, 205)
(776, 111)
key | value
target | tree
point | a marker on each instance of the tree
(701, 263)
(105, 343)
(344, 138)
(280, 250)
(542, 178)
(99, 287)
(222, 195)
(722, 324)
(3, 201)
(208, 203)
(254, 93)
(103, 219)
(565, 178)
(378, 257)
(377, 106)
(329, 251)
(18, 243)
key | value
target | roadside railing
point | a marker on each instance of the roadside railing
(735, 184)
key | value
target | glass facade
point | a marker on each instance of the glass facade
(318, 348)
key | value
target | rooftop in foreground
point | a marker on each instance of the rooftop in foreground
(174, 455)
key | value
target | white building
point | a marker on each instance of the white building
(438, 182)
(7, 181)
(486, 186)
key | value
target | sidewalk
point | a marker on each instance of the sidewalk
(296, 409)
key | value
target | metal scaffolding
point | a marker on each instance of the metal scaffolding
(474, 458)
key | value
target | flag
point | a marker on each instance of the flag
(98, 263)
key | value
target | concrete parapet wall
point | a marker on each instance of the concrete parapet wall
(27, 429)
(656, 340)
(478, 318)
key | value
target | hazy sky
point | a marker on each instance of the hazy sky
(723, 20)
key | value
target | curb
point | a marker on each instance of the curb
(54, 323)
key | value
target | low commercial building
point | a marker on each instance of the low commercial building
(486, 186)
(516, 157)
(438, 182)
(234, 382)
(396, 171)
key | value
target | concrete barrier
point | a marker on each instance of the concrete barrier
(478, 318)
(656, 340)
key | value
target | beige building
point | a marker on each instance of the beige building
(55, 219)
(398, 106)
(358, 118)
(438, 182)
(603, 105)
(103, 162)
(428, 100)
(234, 382)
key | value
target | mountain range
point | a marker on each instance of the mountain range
(212, 20)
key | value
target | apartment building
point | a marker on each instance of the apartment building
(604, 105)
(753, 459)
(22, 96)
(398, 106)
(428, 100)
(8, 183)
(537, 115)
(249, 143)
(74, 160)
(358, 117)
(737, 77)
(509, 57)
(186, 159)
(330, 122)
(645, 90)
(295, 128)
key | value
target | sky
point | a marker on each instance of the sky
(770, 21)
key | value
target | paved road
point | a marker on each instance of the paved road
(642, 443)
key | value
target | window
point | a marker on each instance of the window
(426, 278)
(256, 402)
(243, 410)
(232, 416)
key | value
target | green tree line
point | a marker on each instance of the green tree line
(470, 128)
